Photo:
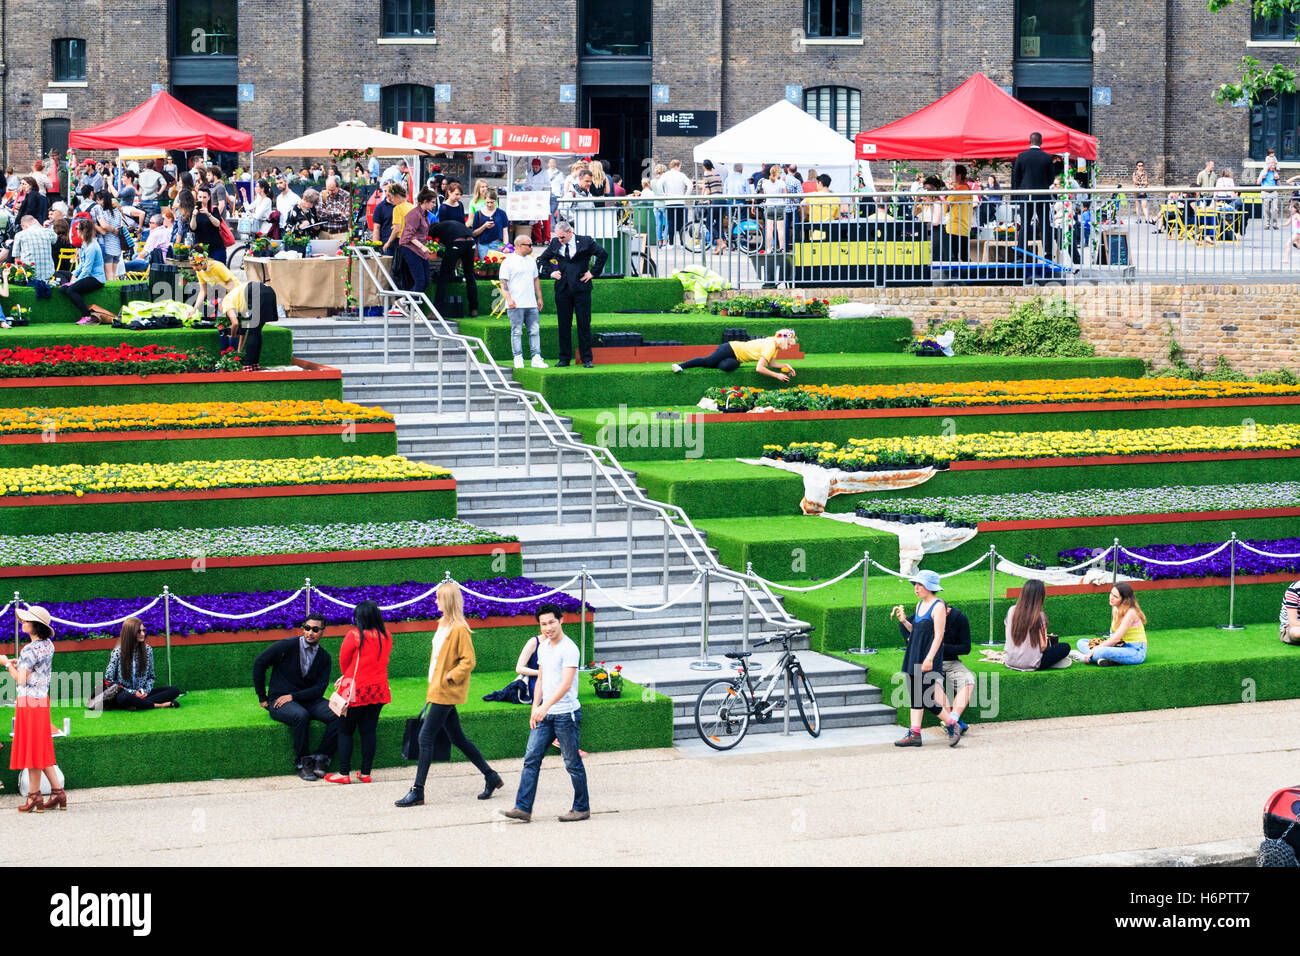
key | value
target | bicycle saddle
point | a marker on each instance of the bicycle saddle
(737, 655)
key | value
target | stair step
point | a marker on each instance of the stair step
(867, 715)
(828, 695)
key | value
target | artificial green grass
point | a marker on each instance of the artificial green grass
(806, 548)
(209, 666)
(816, 335)
(641, 385)
(225, 733)
(607, 295)
(746, 438)
(707, 488)
(154, 389)
(265, 577)
(128, 515)
(277, 342)
(57, 308)
(205, 446)
(1187, 667)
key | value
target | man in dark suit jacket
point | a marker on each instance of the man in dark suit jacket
(1034, 169)
(568, 260)
(300, 672)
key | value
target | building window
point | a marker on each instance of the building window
(615, 28)
(406, 102)
(1275, 28)
(838, 107)
(1054, 29)
(69, 61)
(205, 28)
(1275, 124)
(827, 19)
(408, 18)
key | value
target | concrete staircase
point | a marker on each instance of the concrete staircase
(496, 489)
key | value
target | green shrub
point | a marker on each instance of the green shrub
(1041, 328)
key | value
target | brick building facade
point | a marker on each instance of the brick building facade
(282, 69)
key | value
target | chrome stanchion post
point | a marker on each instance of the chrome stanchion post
(629, 546)
(993, 570)
(1232, 586)
(704, 664)
(18, 628)
(1114, 564)
(862, 631)
(582, 617)
(307, 591)
(167, 627)
(496, 430)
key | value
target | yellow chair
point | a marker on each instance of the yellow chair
(135, 276)
(67, 260)
(499, 302)
(1172, 214)
(1206, 227)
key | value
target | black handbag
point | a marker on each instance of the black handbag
(411, 740)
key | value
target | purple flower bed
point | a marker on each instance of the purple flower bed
(1219, 566)
(185, 621)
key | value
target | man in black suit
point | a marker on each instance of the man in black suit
(300, 672)
(458, 246)
(567, 260)
(1034, 169)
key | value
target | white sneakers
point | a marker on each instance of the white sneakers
(519, 361)
(538, 362)
(676, 369)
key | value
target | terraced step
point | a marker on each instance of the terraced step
(856, 715)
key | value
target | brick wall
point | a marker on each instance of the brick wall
(1246, 324)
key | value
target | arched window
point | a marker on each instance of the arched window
(832, 19)
(405, 102)
(69, 61)
(407, 18)
(839, 107)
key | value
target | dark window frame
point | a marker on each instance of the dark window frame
(181, 48)
(1275, 123)
(853, 107)
(64, 61)
(1276, 29)
(399, 100)
(844, 14)
(1020, 18)
(398, 19)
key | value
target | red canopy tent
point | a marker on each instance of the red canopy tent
(162, 122)
(977, 120)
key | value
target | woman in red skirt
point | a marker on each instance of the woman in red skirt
(33, 748)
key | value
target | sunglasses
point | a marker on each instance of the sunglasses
(312, 628)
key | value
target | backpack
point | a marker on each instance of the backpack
(956, 635)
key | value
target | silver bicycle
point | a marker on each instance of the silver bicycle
(726, 706)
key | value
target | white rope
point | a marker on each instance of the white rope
(1265, 554)
(978, 561)
(1091, 561)
(521, 600)
(648, 610)
(887, 571)
(59, 620)
(5, 609)
(815, 587)
(236, 617)
(333, 600)
(1143, 557)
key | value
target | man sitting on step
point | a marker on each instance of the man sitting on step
(300, 672)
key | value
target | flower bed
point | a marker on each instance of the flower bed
(83, 547)
(124, 359)
(1026, 392)
(1089, 503)
(186, 621)
(197, 415)
(881, 454)
(1219, 566)
(79, 480)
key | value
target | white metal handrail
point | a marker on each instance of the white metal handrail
(605, 466)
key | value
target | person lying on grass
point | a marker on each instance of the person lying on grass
(729, 356)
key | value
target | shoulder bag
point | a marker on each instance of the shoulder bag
(340, 701)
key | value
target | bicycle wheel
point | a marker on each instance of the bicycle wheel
(807, 701)
(695, 235)
(722, 713)
(647, 265)
(749, 239)
(235, 257)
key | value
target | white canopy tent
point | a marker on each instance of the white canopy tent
(783, 133)
(350, 136)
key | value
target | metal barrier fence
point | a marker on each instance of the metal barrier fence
(1004, 237)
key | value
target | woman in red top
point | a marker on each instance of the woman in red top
(363, 660)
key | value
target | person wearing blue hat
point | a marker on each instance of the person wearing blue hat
(923, 661)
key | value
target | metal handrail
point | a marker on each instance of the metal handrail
(602, 459)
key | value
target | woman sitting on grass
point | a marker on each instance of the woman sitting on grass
(1028, 645)
(729, 356)
(130, 669)
(1127, 643)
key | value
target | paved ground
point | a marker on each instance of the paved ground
(1065, 789)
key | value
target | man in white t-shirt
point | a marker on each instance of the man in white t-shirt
(556, 716)
(522, 289)
(675, 183)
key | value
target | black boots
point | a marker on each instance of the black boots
(490, 784)
(414, 798)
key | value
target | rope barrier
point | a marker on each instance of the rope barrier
(815, 587)
(881, 567)
(520, 600)
(5, 610)
(59, 620)
(1265, 554)
(647, 610)
(1172, 564)
(234, 617)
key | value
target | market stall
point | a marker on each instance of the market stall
(317, 286)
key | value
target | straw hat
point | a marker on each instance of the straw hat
(35, 613)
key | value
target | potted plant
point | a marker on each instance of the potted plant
(607, 681)
(296, 244)
(181, 252)
(20, 273)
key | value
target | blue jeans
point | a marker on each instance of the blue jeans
(661, 224)
(519, 318)
(1128, 654)
(564, 728)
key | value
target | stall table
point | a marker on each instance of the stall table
(312, 287)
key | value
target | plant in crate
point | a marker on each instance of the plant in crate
(607, 681)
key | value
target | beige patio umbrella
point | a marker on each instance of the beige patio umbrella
(350, 136)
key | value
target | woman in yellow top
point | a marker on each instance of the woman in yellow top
(729, 356)
(450, 665)
(1127, 643)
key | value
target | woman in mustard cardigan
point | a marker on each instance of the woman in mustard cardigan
(449, 668)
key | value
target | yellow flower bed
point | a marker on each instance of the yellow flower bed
(154, 416)
(911, 451)
(104, 478)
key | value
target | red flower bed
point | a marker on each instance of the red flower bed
(70, 360)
